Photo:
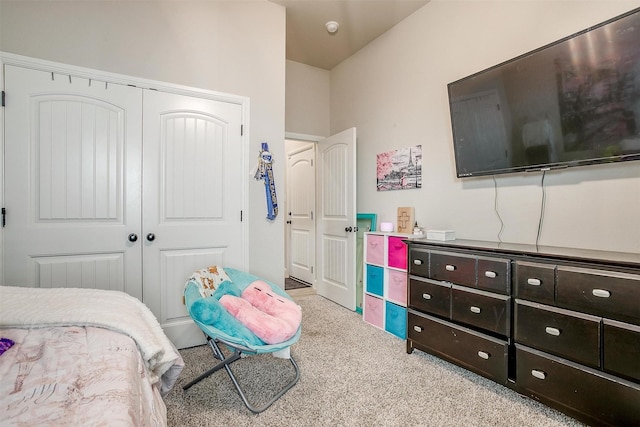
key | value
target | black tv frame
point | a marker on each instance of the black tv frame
(548, 164)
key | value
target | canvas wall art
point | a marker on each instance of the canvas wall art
(400, 169)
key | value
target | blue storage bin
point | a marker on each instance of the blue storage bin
(375, 280)
(395, 320)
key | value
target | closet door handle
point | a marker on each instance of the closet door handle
(151, 237)
(132, 237)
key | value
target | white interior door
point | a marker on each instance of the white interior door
(72, 182)
(336, 219)
(301, 213)
(193, 196)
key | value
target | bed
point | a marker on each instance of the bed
(82, 357)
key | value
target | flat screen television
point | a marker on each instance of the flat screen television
(570, 103)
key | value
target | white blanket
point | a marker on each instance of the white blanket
(114, 310)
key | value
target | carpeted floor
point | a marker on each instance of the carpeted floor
(352, 374)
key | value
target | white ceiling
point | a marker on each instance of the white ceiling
(360, 22)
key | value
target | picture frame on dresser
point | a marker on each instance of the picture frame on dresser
(367, 220)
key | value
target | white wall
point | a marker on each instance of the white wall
(236, 47)
(394, 91)
(307, 100)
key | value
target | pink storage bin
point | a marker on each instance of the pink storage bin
(397, 253)
(397, 286)
(373, 312)
(375, 249)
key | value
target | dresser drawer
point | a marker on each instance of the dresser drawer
(482, 354)
(535, 282)
(480, 309)
(419, 262)
(604, 293)
(430, 296)
(396, 252)
(397, 286)
(494, 275)
(375, 249)
(567, 334)
(454, 268)
(622, 349)
(585, 393)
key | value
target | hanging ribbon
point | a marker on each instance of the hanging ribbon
(265, 172)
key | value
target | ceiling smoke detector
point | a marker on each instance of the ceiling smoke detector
(332, 27)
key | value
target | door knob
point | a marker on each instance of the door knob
(151, 237)
(133, 237)
(348, 229)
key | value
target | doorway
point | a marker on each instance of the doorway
(321, 227)
(300, 214)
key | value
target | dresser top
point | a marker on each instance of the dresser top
(574, 254)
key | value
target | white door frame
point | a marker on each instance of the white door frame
(104, 77)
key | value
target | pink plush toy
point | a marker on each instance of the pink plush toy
(272, 318)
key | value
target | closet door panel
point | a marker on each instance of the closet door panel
(72, 183)
(192, 199)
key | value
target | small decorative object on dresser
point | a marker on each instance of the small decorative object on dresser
(559, 325)
(406, 220)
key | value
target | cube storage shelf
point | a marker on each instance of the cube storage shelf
(385, 282)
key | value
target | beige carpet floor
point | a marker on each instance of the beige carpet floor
(352, 374)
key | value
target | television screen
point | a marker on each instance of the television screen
(573, 102)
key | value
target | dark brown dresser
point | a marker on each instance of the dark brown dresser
(559, 325)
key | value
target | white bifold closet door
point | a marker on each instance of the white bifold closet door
(192, 199)
(114, 187)
(72, 182)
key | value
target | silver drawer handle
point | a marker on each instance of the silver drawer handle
(417, 261)
(538, 374)
(450, 267)
(426, 296)
(417, 328)
(475, 309)
(483, 355)
(552, 331)
(490, 274)
(534, 282)
(602, 293)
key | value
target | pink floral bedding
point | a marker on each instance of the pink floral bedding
(76, 375)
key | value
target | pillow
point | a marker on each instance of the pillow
(208, 279)
(209, 311)
(273, 318)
